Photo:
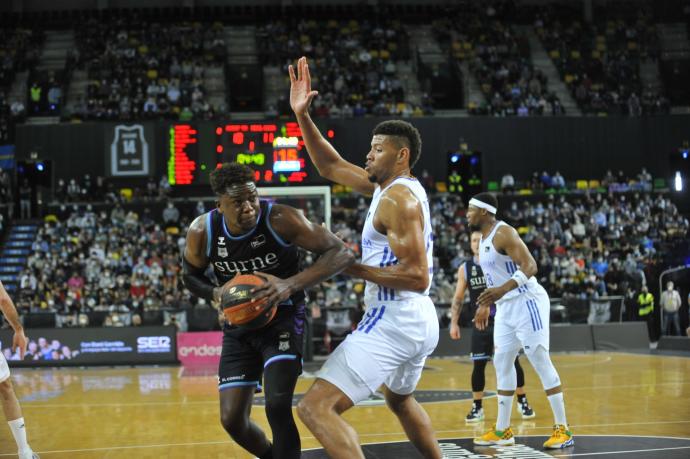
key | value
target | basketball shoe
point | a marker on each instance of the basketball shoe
(475, 415)
(561, 438)
(496, 437)
(525, 410)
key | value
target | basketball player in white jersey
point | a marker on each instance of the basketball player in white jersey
(8, 399)
(400, 328)
(521, 321)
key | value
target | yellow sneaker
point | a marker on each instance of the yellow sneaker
(496, 437)
(561, 438)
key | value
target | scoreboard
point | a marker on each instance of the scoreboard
(274, 150)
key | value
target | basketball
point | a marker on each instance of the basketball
(238, 307)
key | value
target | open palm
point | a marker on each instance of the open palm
(301, 94)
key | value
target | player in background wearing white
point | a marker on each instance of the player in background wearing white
(400, 326)
(10, 404)
(522, 319)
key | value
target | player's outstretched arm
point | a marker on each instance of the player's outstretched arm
(400, 214)
(326, 159)
(195, 261)
(293, 227)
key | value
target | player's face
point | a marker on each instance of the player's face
(474, 242)
(240, 206)
(381, 158)
(474, 216)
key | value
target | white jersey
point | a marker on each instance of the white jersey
(377, 252)
(498, 268)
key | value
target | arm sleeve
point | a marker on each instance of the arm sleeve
(196, 281)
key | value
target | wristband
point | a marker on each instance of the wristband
(519, 277)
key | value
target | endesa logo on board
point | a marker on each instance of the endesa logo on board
(199, 348)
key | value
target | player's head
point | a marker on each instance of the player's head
(395, 148)
(238, 198)
(482, 210)
(475, 237)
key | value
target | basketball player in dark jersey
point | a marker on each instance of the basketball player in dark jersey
(470, 276)
(245, 235)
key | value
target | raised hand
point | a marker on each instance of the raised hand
(301, 94)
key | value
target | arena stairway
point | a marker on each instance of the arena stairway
(15, 251)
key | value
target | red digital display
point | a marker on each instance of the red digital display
(182, 161)
(274, 150)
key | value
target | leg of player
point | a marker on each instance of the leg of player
(478, 383)
(506, 383)
(13, 414)
(320, 411)
(541, 361)
(280, 378)
(526, 411)
(235, 407)
(415, 421)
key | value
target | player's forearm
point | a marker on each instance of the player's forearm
(455, 310)
(320, 151)
(10, 313)
(397, 277)
(329, 264)
(196, 282)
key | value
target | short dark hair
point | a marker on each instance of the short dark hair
(487, 198)
(406, 133)
(230, 174)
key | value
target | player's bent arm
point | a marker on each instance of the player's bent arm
(8, 310)
(459, 296)
(508, 240)
(195, 262)
(292, 226)
(328, 161)
(400, 213)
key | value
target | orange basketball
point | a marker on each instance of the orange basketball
(237, 304)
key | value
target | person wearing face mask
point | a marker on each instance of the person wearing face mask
(670, 304)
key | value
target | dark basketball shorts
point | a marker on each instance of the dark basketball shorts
(483, 342)
(246, 353)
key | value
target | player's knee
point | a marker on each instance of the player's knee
(234, 423)
(306, 410)
(6, 390)
(279, 405)
(544, 368)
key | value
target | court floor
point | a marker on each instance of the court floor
(172, 412)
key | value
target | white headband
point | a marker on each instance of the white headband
(482, 205)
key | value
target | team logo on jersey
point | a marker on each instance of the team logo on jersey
(487, 248)
(222, 252)
(284, 341)
(474, 270)
(258, 241)
(221, 240)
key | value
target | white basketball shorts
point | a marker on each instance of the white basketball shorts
(389, 346)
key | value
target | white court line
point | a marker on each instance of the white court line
(622, 452)
(208, 443)
(27, 404)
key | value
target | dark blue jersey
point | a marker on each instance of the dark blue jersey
(259, 250)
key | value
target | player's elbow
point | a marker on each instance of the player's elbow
(530, 269)
(419, 281)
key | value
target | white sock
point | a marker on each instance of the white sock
(505, 404)
(558, 408)
(19, 433)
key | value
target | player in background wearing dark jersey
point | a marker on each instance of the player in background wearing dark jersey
(470, 276)
(8, 399)
(245, 235)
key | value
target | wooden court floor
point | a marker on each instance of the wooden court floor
(168, 412)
